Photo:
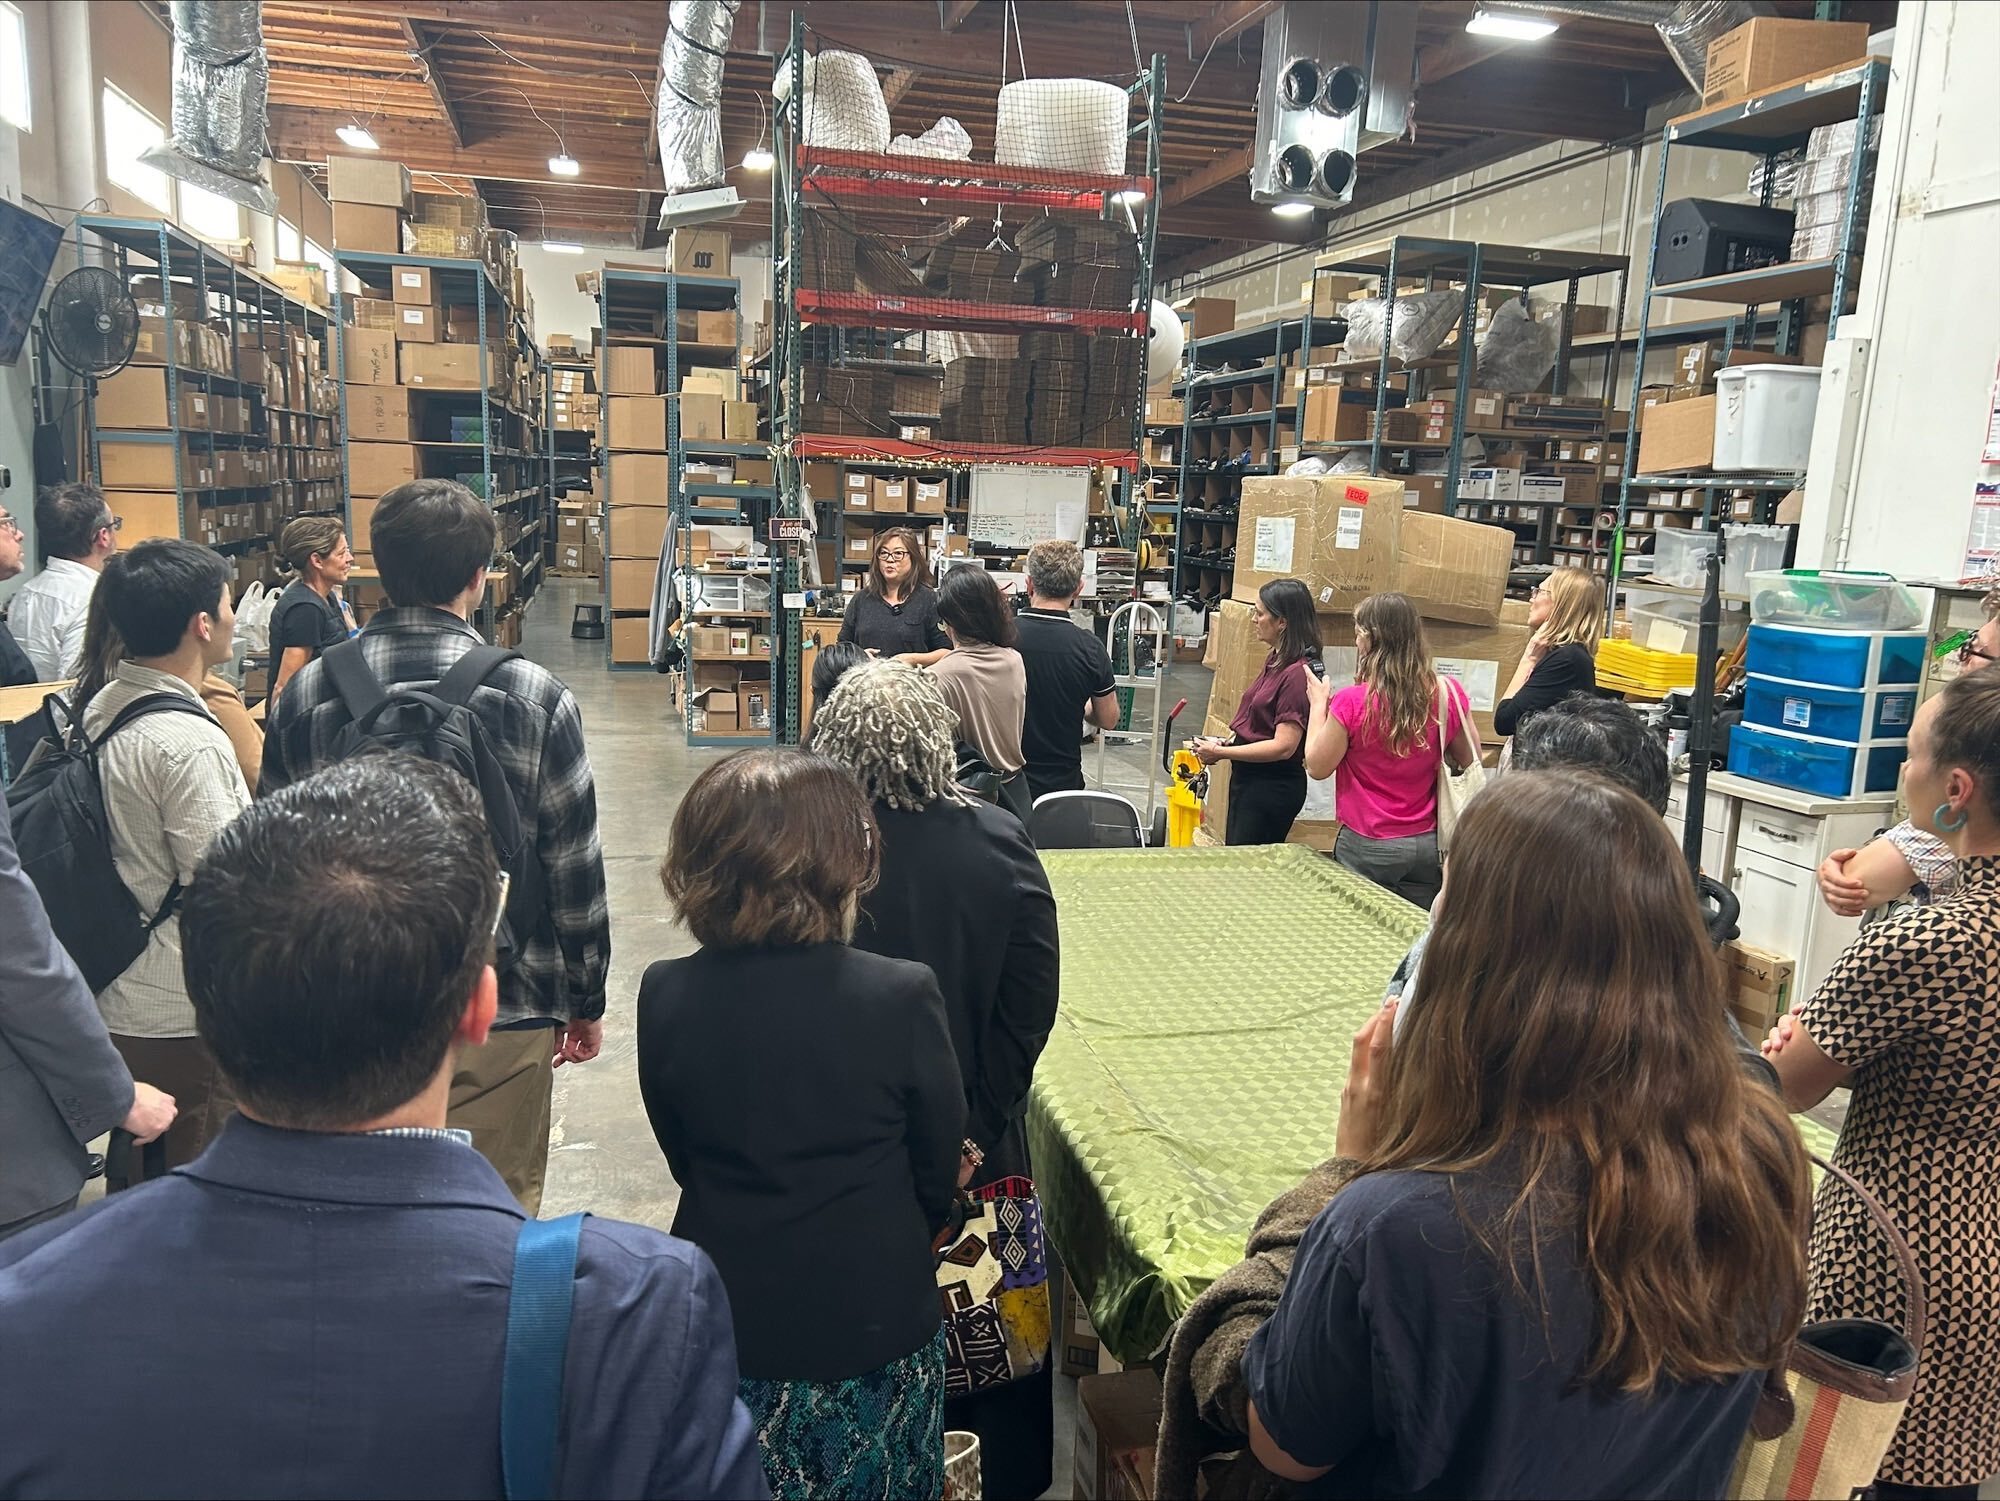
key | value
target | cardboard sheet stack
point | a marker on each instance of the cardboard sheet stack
(1079, 265)
(846, 402)
(826, 254)
(1082, 391)
(983, 400)
(973, 275)
(1346, 537)
(640, 481)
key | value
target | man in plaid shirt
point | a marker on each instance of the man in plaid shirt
(432, 541)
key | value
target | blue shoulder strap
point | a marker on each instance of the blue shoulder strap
(531, 1381)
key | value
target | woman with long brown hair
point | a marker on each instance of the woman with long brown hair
(894, 613)
(1382, 740)
(1268, 786)
(1575, 1237)
(1567, 612)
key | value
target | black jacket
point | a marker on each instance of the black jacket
(16, 671)
(963, 891)
(1568, 669)
(808, 1102)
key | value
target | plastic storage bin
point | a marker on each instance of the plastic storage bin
(1750, 548)
(1833, 601)
(1681, 558)
(1669, 622)
(1853, 714)
(1839, 659)
(1764, 417)
(1831, 768)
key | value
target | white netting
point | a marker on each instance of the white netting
(844, 109)
(1063, 124)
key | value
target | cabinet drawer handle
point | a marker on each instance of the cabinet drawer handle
(1778, 834)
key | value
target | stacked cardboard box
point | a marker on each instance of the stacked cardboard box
(1079, 264)
(448, 224)
(975, 275)
(841, 400)
(983, 400)
(371, 200)
(827, 252)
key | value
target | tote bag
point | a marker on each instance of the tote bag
(1454, 788)
(1825, 1421)
(993, 1279)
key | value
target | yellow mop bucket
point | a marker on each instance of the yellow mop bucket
(1187, 785)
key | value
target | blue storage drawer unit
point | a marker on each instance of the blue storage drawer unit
(1851, 714)
(1831, 768)
(1839, 659)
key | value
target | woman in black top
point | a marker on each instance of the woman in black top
(1567, 612)
(807, 1099)
(310, 615)
(963, 892)
(895, 612)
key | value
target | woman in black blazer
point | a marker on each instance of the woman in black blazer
(963, 892)
(808, 1101)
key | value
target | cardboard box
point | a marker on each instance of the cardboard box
(150, 466)
(635, 531)
(1117, 1417)
(1424, 492)
(1166, 411)
(717, 329)
(368, 356)
(928, 496)
(360, 525)
(1760, 986)
(1453, 570)
(1330, 420)
(1075, 1341)
(631, 638)
(446, 367)
(1768, 51)
(417, 324)
(631, 582)
(630, 371)
(368, 179)
(137, 397)
(638, 423)
(857, 490)
(701, 418)
(860, 547)
(412, 284)
(700, 252)
(380, 413)
(1678, 435)
(377, 468)
(1207, 316)
(739, 421)
(365, 226)
(889, 492)
(707, 380)
(146, 513)
(821, 478)
(640, 478)
(1337, 533)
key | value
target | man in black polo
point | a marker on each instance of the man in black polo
(1069, 672)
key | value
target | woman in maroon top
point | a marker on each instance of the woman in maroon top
(1266, 740)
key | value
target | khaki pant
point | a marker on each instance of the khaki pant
(500, 1093)
(183, 1067)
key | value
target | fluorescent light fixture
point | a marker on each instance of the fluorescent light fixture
(1511, 25)
(757, 159)
(1292, 209)
(561, 247)
(565, 165)
(358, 137)
(1132, 196)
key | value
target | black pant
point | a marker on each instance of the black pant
(1264, 799)
(1889, 1490)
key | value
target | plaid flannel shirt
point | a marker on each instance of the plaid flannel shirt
(1930, 860)
(533, 725)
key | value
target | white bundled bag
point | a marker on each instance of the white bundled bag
(1422, 321)
(253, 618)
(844, 109)
(947, 141)
(1517, 351)
(1063, 124)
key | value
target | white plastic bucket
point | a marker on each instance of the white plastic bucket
(1764, 417)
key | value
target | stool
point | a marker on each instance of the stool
(588, 624)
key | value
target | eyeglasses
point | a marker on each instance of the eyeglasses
(1970, 651)
(112, 524)
(9, 524)
(892, 557)
(1542, 593)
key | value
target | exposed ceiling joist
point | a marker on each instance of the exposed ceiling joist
(1225, 168)
(951, 13)
(1224, 21)
(418, 44)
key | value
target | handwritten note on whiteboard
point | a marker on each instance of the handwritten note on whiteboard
(1018, 505)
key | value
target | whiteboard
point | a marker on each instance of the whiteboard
(1018, 505)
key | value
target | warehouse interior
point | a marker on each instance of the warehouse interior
(1134, 384)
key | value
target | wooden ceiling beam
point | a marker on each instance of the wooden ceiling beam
(435, 84)
(1223, 22)
(1223, 169)
(952, 13)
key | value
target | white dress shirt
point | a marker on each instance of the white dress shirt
(47, 618)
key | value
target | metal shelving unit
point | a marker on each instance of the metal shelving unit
(915, 191)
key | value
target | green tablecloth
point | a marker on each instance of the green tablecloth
(1210, 1002)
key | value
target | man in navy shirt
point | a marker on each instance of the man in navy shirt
(317, 1305)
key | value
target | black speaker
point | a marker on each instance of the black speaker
(1706, 237)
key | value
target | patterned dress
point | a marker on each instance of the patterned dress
(873, 1437)
(1914, 1007)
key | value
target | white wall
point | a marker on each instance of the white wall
(561, 309)
(1918, 397)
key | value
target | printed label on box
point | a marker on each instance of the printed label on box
(1485, 407)
(410, 278)
(1798, 713)
(1347, 530)
(1480, 680)
(1356, 494)
(413, 314)
(1273, 550)
(1896, 708)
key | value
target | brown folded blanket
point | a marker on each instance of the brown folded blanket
(1206, 1403)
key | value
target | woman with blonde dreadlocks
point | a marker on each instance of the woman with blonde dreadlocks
(961, 890)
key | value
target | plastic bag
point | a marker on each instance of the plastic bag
(253, 618)
(1517, 351)
(1422, 321)
(947, 140)
(1306, 467)
(1354, 461)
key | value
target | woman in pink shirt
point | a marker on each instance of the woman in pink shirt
(1380, 741)
(1268, 784)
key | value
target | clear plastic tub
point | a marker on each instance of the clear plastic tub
(1681, 558)
(1831, 768)
(1839, 659)
(1764, 417)
(1831, 601)
(1669, 622)
(1749, 549)
(1851, 714)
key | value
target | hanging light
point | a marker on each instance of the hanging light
(565, 165)
(757, 159)
(1508, 24)
(562, 247)
(1130, 197)
(358, 137)
(1292, 209)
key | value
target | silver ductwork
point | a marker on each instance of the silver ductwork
(1686, 29)
(221, 79)
(1335, 80)
(688, 117)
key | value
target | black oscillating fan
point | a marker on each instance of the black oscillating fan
(92, 321)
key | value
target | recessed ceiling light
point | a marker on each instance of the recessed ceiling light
(1292, 209)
(1511, 25)
(757, 159)
(358, 137)
(562, 247)
(1133, 196)
(565, 165)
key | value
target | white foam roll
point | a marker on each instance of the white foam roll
(844, 108)
(1166, 337)
(1064, 124)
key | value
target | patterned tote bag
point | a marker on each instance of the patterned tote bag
(993, 1280)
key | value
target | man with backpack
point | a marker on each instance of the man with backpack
(419, 678)
(170, 784)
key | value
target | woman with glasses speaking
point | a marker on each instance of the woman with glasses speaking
(894, 613)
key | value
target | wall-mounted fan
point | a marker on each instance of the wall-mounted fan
(92, 322)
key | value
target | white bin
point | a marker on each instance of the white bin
(1764, 417)
(1751, 549)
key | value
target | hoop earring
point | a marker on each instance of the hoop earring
(1943, 822)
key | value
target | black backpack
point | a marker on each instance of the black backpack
(438, 724)
(56, 809)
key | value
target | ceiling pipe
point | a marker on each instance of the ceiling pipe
(221, 82)
(688, 119)
(1686, 30)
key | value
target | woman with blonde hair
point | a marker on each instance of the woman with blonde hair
(310, 615)
(1382, 739)
(1567, 612)
(894, 613)
(1574, 1239)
